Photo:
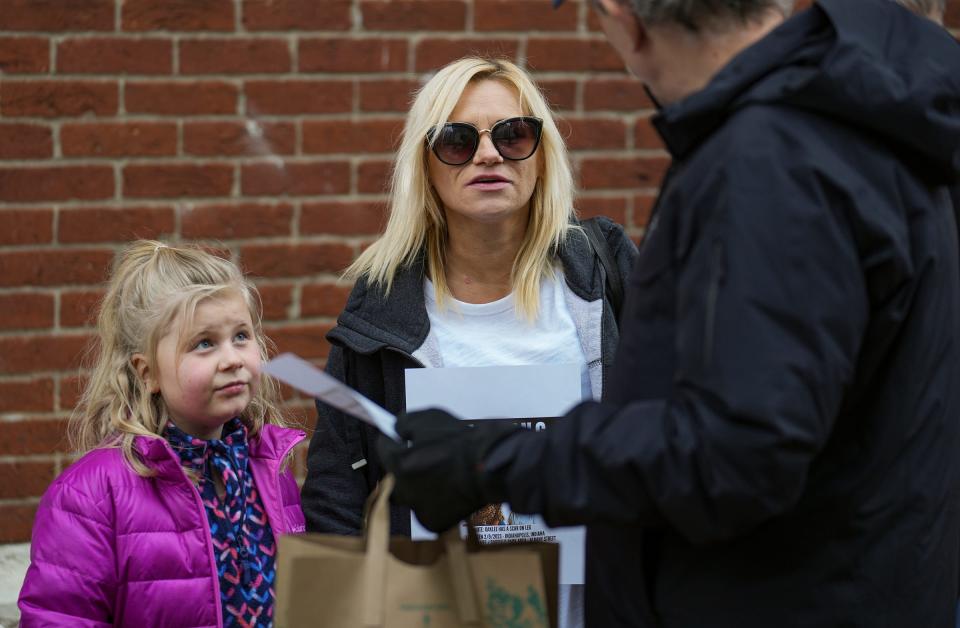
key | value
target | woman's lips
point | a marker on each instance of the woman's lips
(487, 183)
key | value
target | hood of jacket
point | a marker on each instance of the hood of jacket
(870, 64)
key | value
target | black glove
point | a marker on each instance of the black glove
(440, 475)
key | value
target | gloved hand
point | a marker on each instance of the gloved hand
(439, 475)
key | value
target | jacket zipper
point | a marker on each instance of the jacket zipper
(717, 275)
(208, 537)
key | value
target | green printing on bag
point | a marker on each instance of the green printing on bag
(509, 611)
(426, 609)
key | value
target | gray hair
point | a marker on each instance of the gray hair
(926, 8)
(697, 14)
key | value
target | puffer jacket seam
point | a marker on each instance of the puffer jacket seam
(73, 513)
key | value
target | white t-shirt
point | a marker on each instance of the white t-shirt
(492, 334)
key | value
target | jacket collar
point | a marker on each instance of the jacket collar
(371, 321)
(272, 443)
(869, 64)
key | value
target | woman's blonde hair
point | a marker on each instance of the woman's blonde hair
(417, 221)
(153, 286)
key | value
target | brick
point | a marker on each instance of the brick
(434, 53)
(26, 226)
(25, 479)
(71, 387)
(26, 311)
(177, 15)
(387, 95)
(192, 98)
(229, 222)
(333, 54)
(24, 55)
(412, 15)
(234, 56)
(342, 217)
(31, 354)
(297, 15)
(35, 395)
(276, 300)
(323, 299)
(32, 437)
(307, 341)
(951, 17)
(121, 55)
(25, 141)
(571, 55)
(346, 136)
(114, 224)
(54, 267)
(79, 308)
(510, 15)
(626, 172)
(373, 177)
(617, 94)
(642, 207)
(56, 183)
(614, 208)
(560, 93)
(297, 97)
(118, 139)
(252, 138)
(593, 22)
(55, 99)
(56, 15)
(173, 180)
(295, 260)
(645, 135)
(16, 522)
(295, 179)
(593, 133)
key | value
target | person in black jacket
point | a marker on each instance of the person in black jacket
(780, 442)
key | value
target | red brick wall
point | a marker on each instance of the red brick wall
(264, 127)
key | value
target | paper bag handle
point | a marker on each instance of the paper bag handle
(460, 576)
(378, 541)
(375, 571)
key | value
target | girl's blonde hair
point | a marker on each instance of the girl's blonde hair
(154, 285)
(417, 221)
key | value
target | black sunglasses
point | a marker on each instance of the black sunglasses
(516, 139)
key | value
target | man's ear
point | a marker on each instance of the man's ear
(142, 366)
(622, 12)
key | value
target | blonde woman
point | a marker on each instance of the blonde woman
(481, 263)
(171, 516)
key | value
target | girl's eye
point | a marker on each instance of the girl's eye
(242, 336)
(203, 344)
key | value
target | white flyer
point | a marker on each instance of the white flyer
(532, 396)
(308, 379)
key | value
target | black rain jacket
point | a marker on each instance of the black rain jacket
(781, 442)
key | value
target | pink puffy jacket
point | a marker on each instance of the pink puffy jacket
(113, 548)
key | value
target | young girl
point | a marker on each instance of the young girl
(171, 517)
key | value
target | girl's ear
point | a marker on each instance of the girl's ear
(142, 366)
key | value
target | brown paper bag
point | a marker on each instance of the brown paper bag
(347, 582)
